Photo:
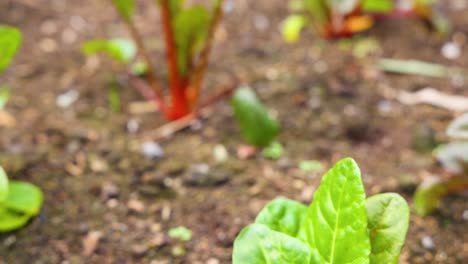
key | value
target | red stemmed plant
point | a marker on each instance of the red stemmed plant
(188, 34)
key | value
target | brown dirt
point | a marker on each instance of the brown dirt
(73, 154)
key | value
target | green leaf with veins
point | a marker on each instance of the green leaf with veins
(286, 216)
(190, 28)
(126, 8)
(10, 41)
(388, 220)
(338, 232)
(121, 50)
(258, 244)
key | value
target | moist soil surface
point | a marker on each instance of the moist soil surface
(107, 203)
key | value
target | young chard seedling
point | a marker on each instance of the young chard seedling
(343, 18)
(10, 41)
(19, 202)
(454, 159)
(257, 126)
(340, 226)
(188, 34)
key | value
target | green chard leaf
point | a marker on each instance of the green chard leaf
(10, 220)
(378, 6)
(121, 50)
(388, 220)
(126, 8)
(257, 127)
(24, 198)
(175, 6)
(338, 232)
(286, 216)
(258, 244)
(10, 41)
(429, 195)
(3, 185)
(292, 27)
(190, 28)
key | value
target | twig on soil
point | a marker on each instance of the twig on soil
(434, 97)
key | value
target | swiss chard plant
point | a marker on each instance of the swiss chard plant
(343, 18)
(188, 33)
(257, 126)
(454, 159)
(340, 226)
(10, 41)
(19, 202)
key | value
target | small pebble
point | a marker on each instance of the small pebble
(261, 22)
(139, 250)
(133, 126)
(152, 150)
(451, 51)
(220, 153)
(427, 243)
(66, 99)
(136, 206)
(465, 215)
(109, 190)
(213, 261)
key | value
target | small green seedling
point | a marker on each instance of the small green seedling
(181, 233)
(10, 41)
(343, 18)
(454, 158)
(188, 36)
(19, 202)
(310, 165)
(340, 226)
(274, 151)
(257, 126)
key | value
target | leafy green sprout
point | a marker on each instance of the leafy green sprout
(257, 126)
(181, 232)
(19, 202)
(339, 226)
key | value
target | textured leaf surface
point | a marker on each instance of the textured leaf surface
(338, 233)
(121, 50)
(3, 185)
(258, 244)
(10, 221)
(125, 7)
(257, 127)
(285, 216)
(10, 40)
(388, 220)
(24, 198)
